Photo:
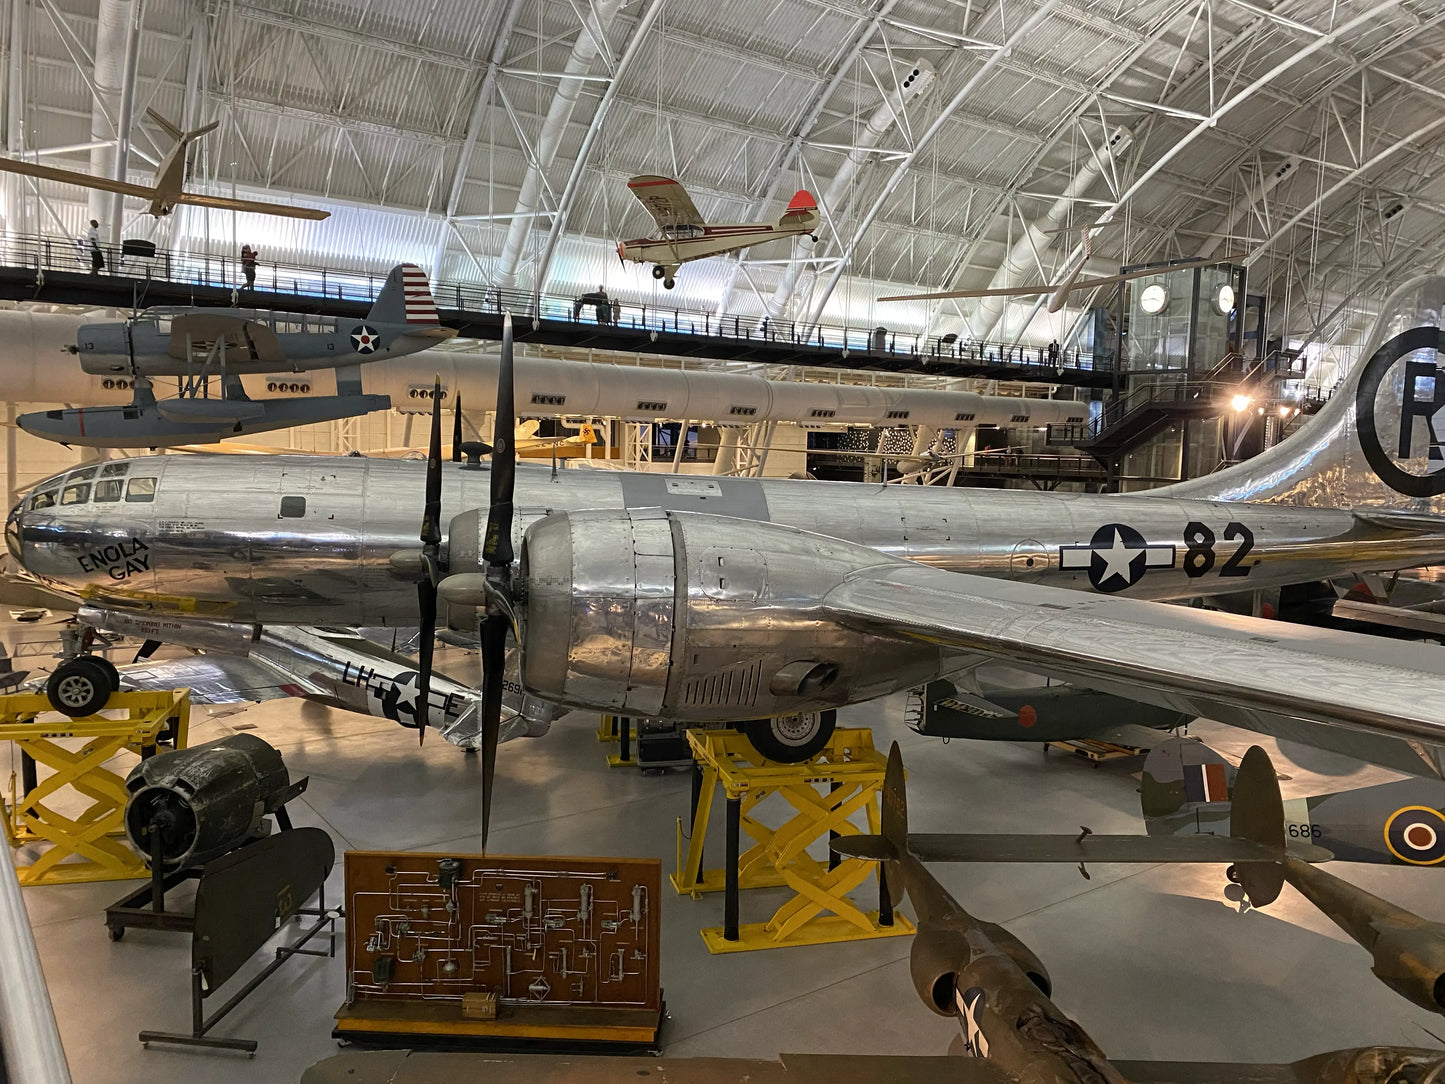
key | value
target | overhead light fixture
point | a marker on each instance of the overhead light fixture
(1154, 297)
(1240, 402)
(1284, 410)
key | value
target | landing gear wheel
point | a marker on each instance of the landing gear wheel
(792, 739)
(669, 283)
(1231, 874)
(110, 671)
(115, 933)
(79, 687)
(659, 272)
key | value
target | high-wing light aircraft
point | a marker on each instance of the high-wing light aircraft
(198, 344)
(722, 599)
(1058, 293)
(686, 236)
(169, 187)
(974, 971)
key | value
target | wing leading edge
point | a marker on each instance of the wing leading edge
(1239, 670)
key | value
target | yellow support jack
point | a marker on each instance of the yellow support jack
(622, 733)
(607, 728)
(95, 835)
(820, 911)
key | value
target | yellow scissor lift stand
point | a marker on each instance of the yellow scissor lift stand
(88, 845)
(850, 772)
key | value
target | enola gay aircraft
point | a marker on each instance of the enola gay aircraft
(686, 236)
(731, 599)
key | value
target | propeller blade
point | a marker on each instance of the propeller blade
(497, 549)
(431, 539)
(426, 599)
(494, 664)
(457, 429)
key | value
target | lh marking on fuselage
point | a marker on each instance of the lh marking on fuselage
(1116, 557)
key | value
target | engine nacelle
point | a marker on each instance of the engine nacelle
(695, 617)
(206, 800)
(1412, 963)
(935, 960)
(1022, 956)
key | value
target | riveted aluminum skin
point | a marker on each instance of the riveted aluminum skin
(693, 616)
(603, 586)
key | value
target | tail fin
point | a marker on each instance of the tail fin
(175, 133)
(803, 208)
(1379, 442)
(405, 298)
(890, 846)
(1258, 815)
(1185, 789)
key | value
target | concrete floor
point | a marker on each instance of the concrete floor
(1150, 960)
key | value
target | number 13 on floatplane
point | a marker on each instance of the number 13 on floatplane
(685, 236)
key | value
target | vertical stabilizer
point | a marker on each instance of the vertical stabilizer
(1258, 815)
(405, 298)
(1379, 442)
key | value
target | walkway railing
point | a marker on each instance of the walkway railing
(47, 254)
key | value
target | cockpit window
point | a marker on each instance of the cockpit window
(114, 470)
(43, 500)
(109, 489)
(76, 493)
(140, 490)
(80, 475)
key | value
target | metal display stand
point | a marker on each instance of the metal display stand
(242, 900)
(820, 912)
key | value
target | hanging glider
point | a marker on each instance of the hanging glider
(169, 180)
(1059, 292)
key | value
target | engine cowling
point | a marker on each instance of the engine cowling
(1022, 956)
(1412, 963)
(695, 617)
(934, 962)
(204, 801)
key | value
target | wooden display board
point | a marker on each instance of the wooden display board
(568, 946)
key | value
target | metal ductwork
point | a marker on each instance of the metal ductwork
(912, 87)
(113, 21)
(1019, 266)
(1258, 192)
(559, 114)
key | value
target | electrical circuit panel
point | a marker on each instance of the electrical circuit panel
(537, 931)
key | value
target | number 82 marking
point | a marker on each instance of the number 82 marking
(1199, 549)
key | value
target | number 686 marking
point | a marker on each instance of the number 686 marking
(1199, 552)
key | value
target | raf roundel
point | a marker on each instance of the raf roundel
(1416, 835)
(364, 339)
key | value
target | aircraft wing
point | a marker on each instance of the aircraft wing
(221, 203)
(665, 200)
(70, 176)
(241, 334)
(1243, 671)
(1038, 847)
(216, 679)
(449, 1067)
(1078, 284)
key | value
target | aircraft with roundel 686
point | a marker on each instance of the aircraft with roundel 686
(772, 602)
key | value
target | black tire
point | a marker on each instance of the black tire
(78, 688)
(659, 271)
(668, 284)
(792, 739)
(110, 671)
(115, 933)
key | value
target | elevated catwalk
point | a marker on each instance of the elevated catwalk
(49, 269)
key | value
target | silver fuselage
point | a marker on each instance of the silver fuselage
(295, 540)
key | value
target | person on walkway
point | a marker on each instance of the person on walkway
(248, 266)
(97, 258)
